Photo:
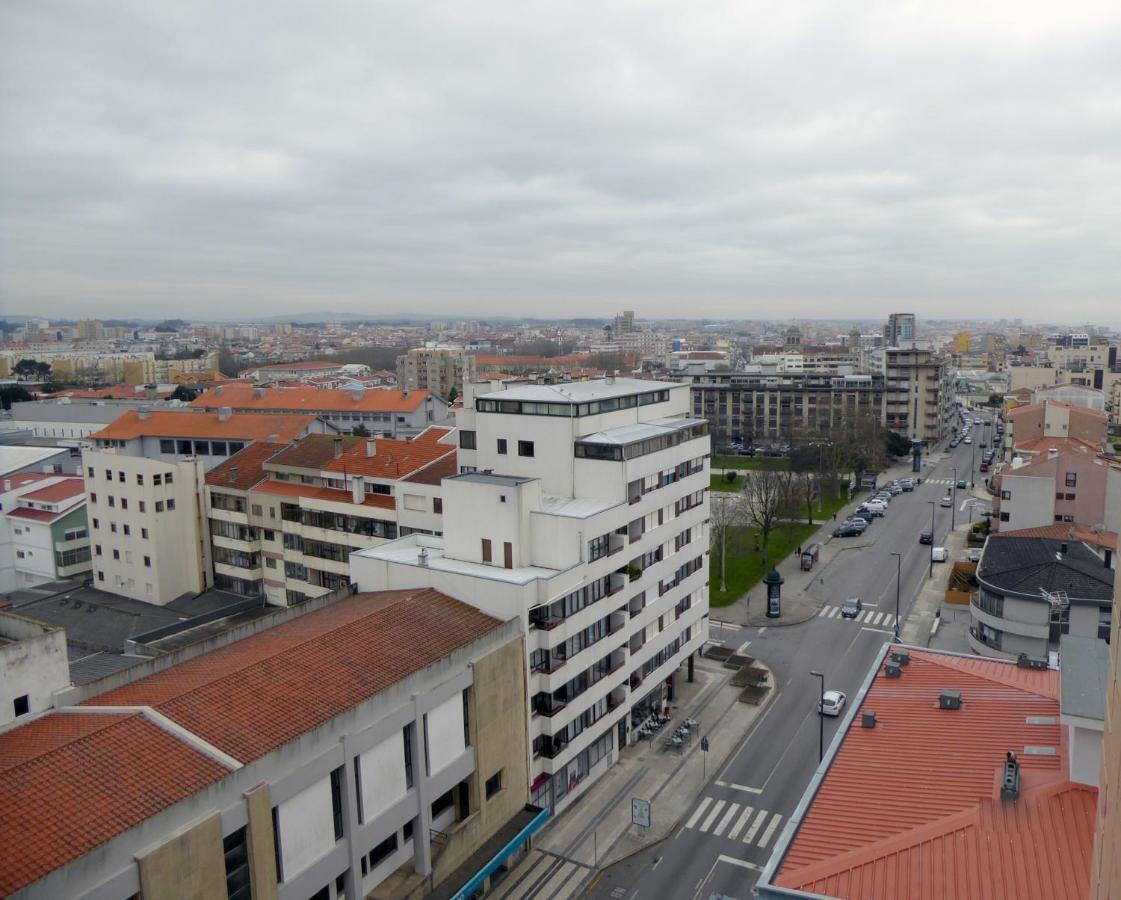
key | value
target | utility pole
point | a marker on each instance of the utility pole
(954, 504)
(898, 578)
(932, 508)
(821, 718)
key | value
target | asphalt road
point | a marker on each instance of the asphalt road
(727, 834)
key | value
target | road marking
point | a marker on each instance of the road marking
(878, 619)
(769, 831)
(879, 630)
(719, 829)
(738, 827)
(742, 863)
(755, 826)
(743, 646)
(761, 630)
(699, 812)
(740, 787)
(715, 811)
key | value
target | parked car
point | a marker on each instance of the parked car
(869, 512)
(967, 440)
(848, 530)
(939, 554)
(895, 489)
(927, 537)
(851, 608)
(831, 703)
(857, 520)
(946, 502)
(908, 484)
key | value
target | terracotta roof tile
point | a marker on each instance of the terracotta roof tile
(55, 493)
(434, 473)
(191, 424)
(305, 398)
(394, 458)
(35, 515)
(294, 489)
(250, 697)
(245, 468)
(69, 782)
(911, 807)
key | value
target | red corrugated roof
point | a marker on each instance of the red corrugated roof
(71, 781)
(252, 696)
(911, 807)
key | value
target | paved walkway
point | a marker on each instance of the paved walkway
(597, 831)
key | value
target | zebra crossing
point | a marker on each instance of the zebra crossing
(945, 481)
(728, 819)
(870, 617)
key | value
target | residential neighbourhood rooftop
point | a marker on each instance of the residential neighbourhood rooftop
(1027, 564)
(245, 468)
(582, 391)
(309, 399)
(192, 424)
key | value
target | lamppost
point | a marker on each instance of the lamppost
(932, 508)
(821, 718)
(898, 578)
(972, 463)
(954, 503)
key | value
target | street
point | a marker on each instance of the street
(726, 836)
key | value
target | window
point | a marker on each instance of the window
(257, 511)
(100, 574)
(337, 801)
(97, 549)
(167, 478)
(139, 479)
(438, 505)
(93, 498)
(126, 529)
(21, 706)
(183, 447)
(494, 784)
(96, 523)
(124, 502)
(467, 440)
(525, 448)
(444, 801)
(507, 555)
(167, 446)
(202, 448)
(268, 533)
(237, 865)
(144, 533)
(486, 550)
(1105, 622)
(116, 554)
(148, 562)
(1005, 495)
(159, 506)
(108, 474)
(382, 851)
(1072, 479)
(112, 502)
(143, 506)
(121, 477)
(1059, 495)
(407, 735)
(502, 446)
(170, 505)
(270, 563)
(1070, 496)
(89, 471)
(157, 480)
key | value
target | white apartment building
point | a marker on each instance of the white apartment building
(581, 511)
(43, 532)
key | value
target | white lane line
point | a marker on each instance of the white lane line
(878, 619)
(742, 863)
(761, 630)
(743, 646)
(740, 787)
(698, 812)
(740, 823)
(878, 630)
(711, 817)
(770, 830)
(824, 611)
(750, 836)
(732, 810)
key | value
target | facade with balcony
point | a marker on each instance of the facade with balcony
(581, 511)
(918, 394)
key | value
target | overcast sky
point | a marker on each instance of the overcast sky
(740, 159)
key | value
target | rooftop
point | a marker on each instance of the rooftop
(912, 808)
(305, 398)
(194, 424)
(1025, 565)
(491, 478)
(14, 457)
(641, 431)
(245, 468)
(406, 551)
(582, 391)
(63, 489)
(1085, 666)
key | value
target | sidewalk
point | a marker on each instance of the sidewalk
(928, 605)
(798, 601)
(597, 831)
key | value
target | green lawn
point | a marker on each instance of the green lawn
(720, 483)
(745, 564)
(750, 462)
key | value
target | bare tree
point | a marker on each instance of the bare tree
(804, 490)
(726, 510)
(766, 496)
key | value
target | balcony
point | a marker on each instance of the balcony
(547, 705)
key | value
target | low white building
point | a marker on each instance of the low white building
(46, 533)
(581, 511)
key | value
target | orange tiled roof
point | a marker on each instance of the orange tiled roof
(69, 782)
(1069, 445)
(55, 493)
(434, 473)
(245, 468)
(394, 458)
(306, 398)
(910, 807)
(312, 492)
(190, 424)
(250, 697)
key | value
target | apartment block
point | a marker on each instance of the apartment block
(210, 774)
(919, 396)
(1067, 486)
(758, 408)
(899, 330)
(581, 512)
(436, 369)
(46, 534)
(284, 519)
(389, 413)
(1053, 419)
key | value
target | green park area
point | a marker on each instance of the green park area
(745, 565)
(773, 463)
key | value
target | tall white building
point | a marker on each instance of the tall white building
(581, 510)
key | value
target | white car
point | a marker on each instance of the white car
(968, 439)
(939, 554)
(831, 703)
(946, 502)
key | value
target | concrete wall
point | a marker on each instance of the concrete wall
(307, 829)
(189, 866)
(33, 664)
(1085, 751)
(445, 734)
(1105, 869)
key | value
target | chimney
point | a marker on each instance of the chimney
(358, 489)
(405, 392)
(145, 413)
(1052, 452)
(422, 556)
(1010, 778)
(258, 392)
(1063, 549)
(224, 413)
(273, 439)
(233, 475)
(218, 391)
(610, 377)
(338, 446)
(358, 393)
(371, 447)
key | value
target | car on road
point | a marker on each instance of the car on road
(946, 502)
(927, 537)
(851, 608)
(967, 440)
(983, 445)
(831, 703)
(908, 484)
(939, 554)
(961, 484)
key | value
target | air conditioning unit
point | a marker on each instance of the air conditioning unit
(868, 719)
(902, 657)
(949, 700)
(892, 670)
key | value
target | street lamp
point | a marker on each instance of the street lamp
(954, 503)
(821, 718)
(898, 578)
(932, 508)
(972, 464)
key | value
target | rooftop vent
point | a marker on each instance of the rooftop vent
(892, 670)
(902, 657)
(224, 413)
(868, 719)
(338, 446)
(371, 447)
(1010, 778)
(233, 475)
(1030, 662)
(949, 700)
(144, 413)
(258, 392)
(220, 390)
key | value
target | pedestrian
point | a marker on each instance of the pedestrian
(799, 549)
(834, 516)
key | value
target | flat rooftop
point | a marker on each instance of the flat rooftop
(491, 478)
(1085, 666)
(583, 391)
(406, 552)
(641, 431)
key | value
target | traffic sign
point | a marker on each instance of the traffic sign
(640, 812)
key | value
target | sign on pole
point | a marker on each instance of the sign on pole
(704, 744)
(640, 812)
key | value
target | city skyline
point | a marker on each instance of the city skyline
(732, 159)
